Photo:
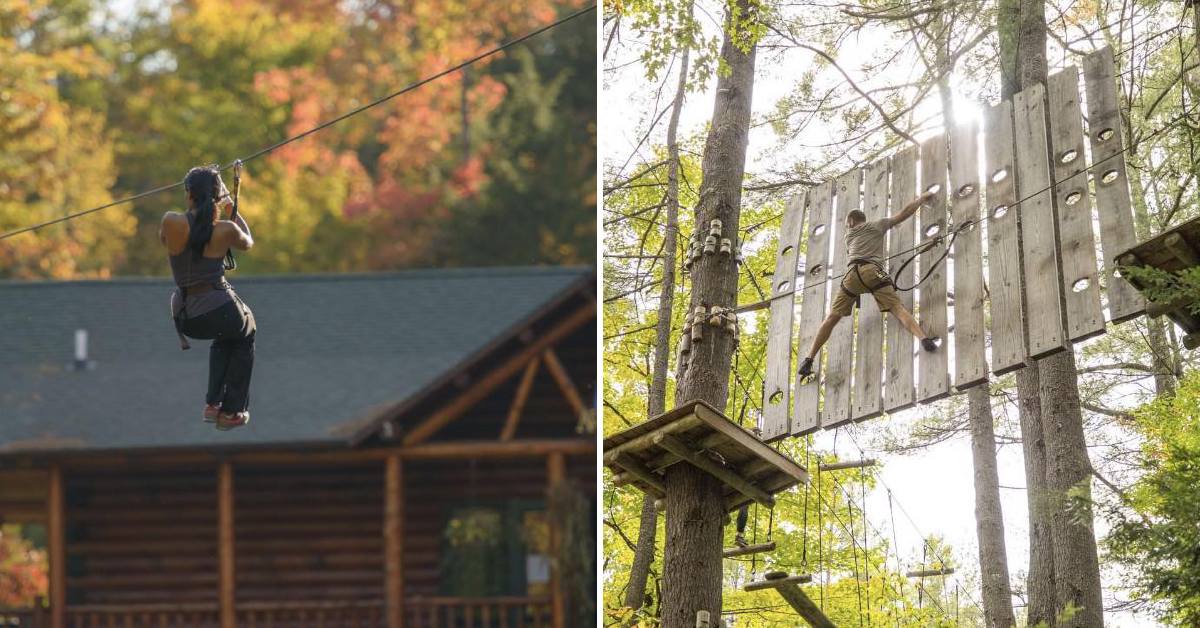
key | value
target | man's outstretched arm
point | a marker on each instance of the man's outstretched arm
(910, 209)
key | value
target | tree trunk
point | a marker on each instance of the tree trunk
(1016, 62)
(989, 518)
(1073, 543)
(643, 556)
(1040, 580)
(695, 510)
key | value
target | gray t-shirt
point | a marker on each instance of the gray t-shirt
(868, 241)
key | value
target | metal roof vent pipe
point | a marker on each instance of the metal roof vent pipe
(82, 363)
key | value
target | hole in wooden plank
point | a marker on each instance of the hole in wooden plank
(1081, 284)
(966, 190)
(815, 269)
(819, 229)
(1068, 156)
(1109, 176)
(1074, 197)
(999, 211)
(787, 249)
(776, 396)
(1105, 134)
(1116, 272)
(999, 175)
(782, 285)
(934, 189)
(932, 230)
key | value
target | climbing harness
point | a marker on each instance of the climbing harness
(927, 245)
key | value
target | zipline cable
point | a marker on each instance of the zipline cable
(259, 153)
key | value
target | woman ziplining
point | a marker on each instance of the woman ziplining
(204, 305)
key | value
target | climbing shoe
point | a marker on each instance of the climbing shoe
(806, 368)
(930, 344)
(230, 420)
(210, 413)
(740, 540)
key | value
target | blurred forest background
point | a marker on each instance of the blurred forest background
(491, 166)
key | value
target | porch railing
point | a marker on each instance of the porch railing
(420, 612)
(483, 612)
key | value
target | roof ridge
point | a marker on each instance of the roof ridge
(416, 273)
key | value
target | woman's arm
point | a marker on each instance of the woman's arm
(236, 234)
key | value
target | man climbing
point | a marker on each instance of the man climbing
(865, 248)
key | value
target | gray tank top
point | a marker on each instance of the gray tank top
(192, 271)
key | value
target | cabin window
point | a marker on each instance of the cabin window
(496, 549)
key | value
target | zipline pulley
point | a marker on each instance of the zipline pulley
(230, 262)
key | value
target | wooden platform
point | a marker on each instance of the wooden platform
(1173, 250)
(789, 589)
(696, 433)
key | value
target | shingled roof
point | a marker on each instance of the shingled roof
(331, 351)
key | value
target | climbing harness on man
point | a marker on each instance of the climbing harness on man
(204, 306)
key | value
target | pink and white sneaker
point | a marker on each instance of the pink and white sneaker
(230, 420)
(211, 412)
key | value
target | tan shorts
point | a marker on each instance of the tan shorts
(861, 282)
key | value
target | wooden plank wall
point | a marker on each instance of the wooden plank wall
(970, 363)
(1112, 198)
(1044, 279)
(1077, 246)
(1043, 276)
(806, 416)
(898, 390)
(135, 538)
(868, 346)
(778, 378)
(933, 378)
(839, 350)
(1005, 273)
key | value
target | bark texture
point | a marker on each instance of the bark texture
(1040, 580)
(695, 511)
(989, 518)
(643, 556)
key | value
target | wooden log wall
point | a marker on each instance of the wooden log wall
(1050, 276)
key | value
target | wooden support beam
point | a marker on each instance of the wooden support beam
(393, 540)
(56, 542)
(518, 404)
(498, 376)
(775, 583)
(733, 552)
(848, 464)
(639, 471)
(556, 474)
(498, 449)
(730, 478)
(1181, 250)
(225, 549)
(565, 385)
(928, 573)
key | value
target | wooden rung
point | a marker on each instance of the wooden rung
(775, 583)
(731, 552)
(848, 464)
(926, 573)
(735, 481)
(789, 590)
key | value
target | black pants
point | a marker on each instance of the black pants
(742, 516)
(231, 356)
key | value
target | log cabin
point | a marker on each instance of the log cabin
(421, 453)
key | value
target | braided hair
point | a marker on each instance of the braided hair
(202, 184)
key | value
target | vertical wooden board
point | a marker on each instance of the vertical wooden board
(1112, 198)
(970, 361)
(1039, 250)
(839, 353)
(1004, 242)
(933, 375)
(1076, 244)
(898, 392)
(778, 377)
(868, 343)
(806, 415)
